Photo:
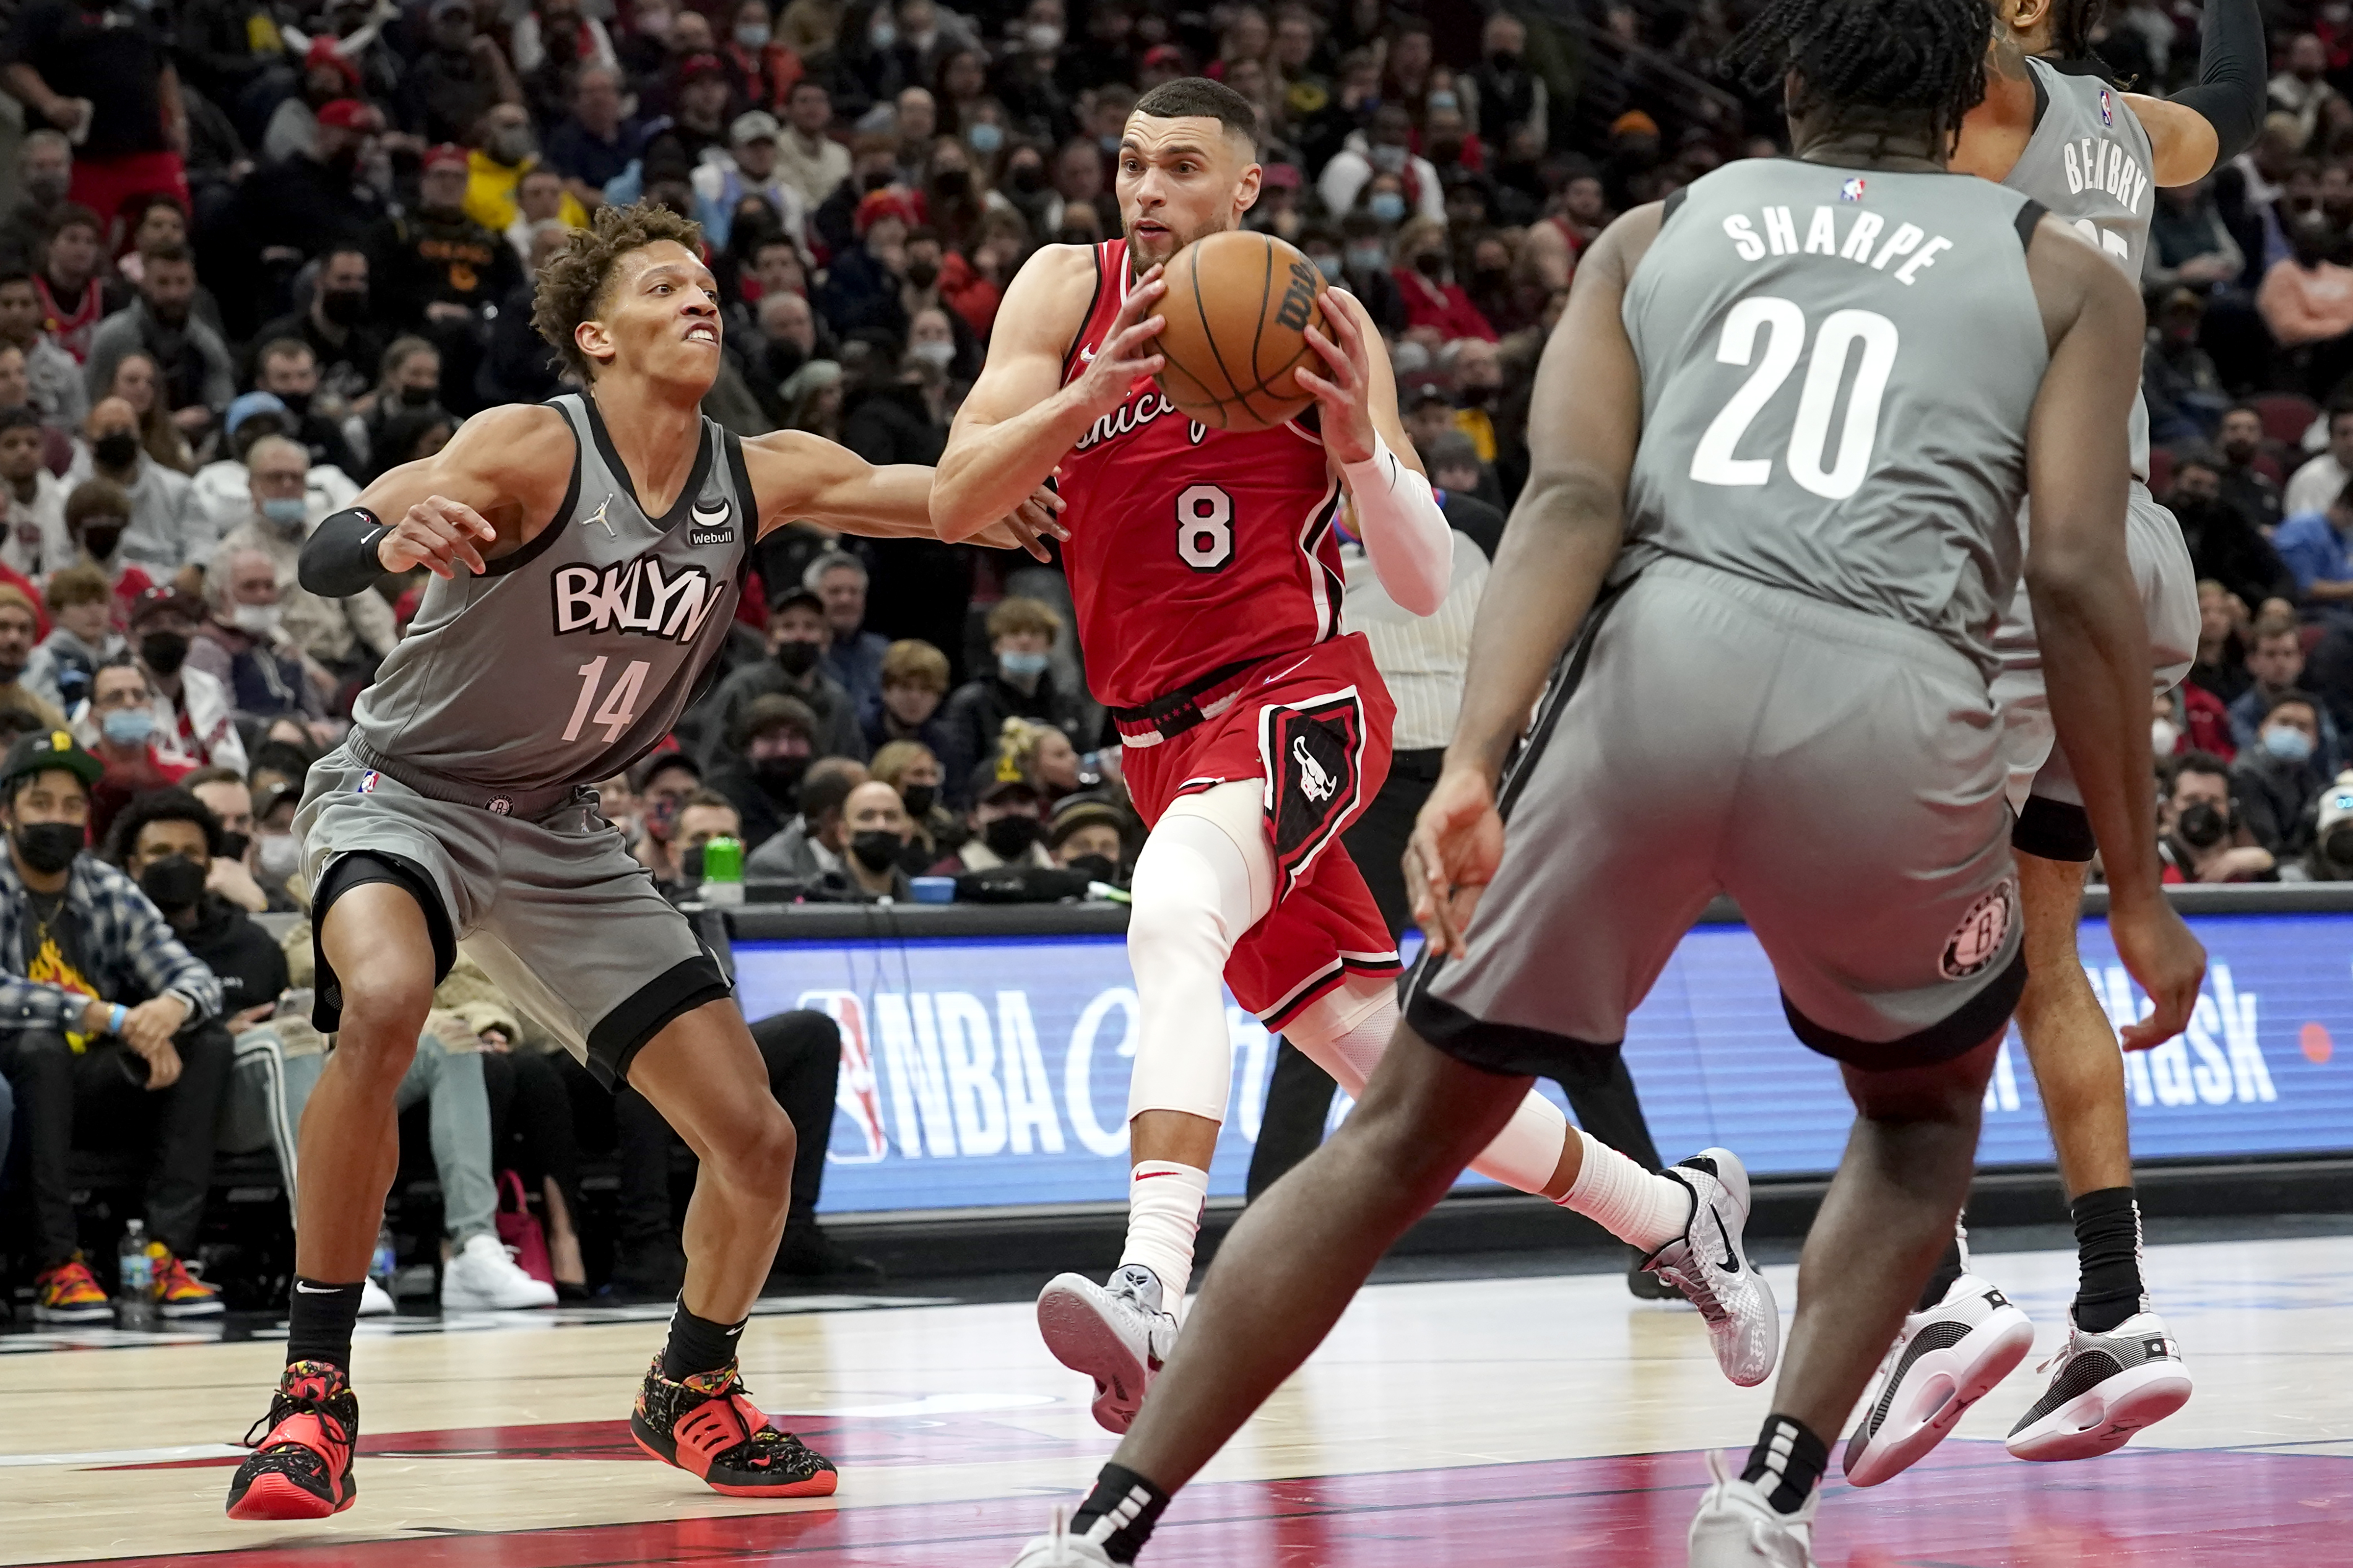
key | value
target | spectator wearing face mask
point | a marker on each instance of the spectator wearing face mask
(2275, 663)
(345, 636)
(2224, 546)
(1087, 834)
(224, 794)
(81, 638)
(2330, 858)
(1008, 824)
(169, 842)
(288, 371)
(1385, 147)
(340, 325)
(2198, 837)
(192, 708)
(197, 377)
(245, 645)
(167, 527)
(504, 151)
(2250, 483)
(44, 181)
(111, 1015)
(98, 512)
(760, 770)
(121, 717)
(665, 782)
(32, 501)
(1433, 300)
(445, 92)
(876, 832)
(812, 845)
(2276, 780)
(798, 636)
(933, 830)
(20, 630)
(1020, 638)
(915, 683)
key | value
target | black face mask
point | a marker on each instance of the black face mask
(874, 179)
(1475, 396)
(100, 540)
(1010, 837)
(876, 850)
(234, 845)
(344, 307)
(418, 396)
(1030, 178)
(2339, 845)
(1445, 150)
(1430, 263)
(780, 778)
(918, 799)
(953, 184)
(1504, 60)
(1096, 867)
(2203, 825)
(173, 884)
(797, 658)
(923, 274)
(49, 848)
(115, 449)
(164, 652)
(298, 403)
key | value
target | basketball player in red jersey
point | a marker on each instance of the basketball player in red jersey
(1206, 579)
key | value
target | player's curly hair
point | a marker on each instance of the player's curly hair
(2071, 25)
(1893, 62)
(571, 285)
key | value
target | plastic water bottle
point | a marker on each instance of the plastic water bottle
(723, 870)
(386, 1261)
(134, 1299)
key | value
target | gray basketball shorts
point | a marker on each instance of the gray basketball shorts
(1838, 774)
(556, 910)
(2051, 825)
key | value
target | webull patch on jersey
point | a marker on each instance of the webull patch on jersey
(635, 596)
(713, 522)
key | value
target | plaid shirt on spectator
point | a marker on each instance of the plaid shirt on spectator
(128, 951)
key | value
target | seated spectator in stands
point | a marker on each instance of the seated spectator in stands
(32, 501)
(245, 646)
(2247, 489)
(171, 844)
(2312, 543)
(749, 169)
(807, 158)
(909, 767)
(2224, 546)
(2199, 837)
(444, 269)
(876, 833)
(2274, 664)
(1008, 821)
(123, 712)
(75, 292)
(2306, 300)
(1434, 302)
(1045, 756)
(2179, 384)
(293, 129)
(2189, 719)
(707, 815)
(811, 846)
(81, 638)
(592, 147)
(505, 150)
(797, 638)
(341, 326)
(98, 514)
(19, 632)
(1477, 366)
(16, 398)
(103, 1003)
(2330, 858)
(1087, 834)
(539, 201)
(192, 363)
(1020, 638)
(914, 684)
(299, 206)
(226, 795)
(1385, 147)
(516, 366)
(2277, 778)
(52, 376)
(287, 370)
(345, 636)
(664, 783)
(463, 72)
(855, 657)
(44, 181)
(760, 769)
(136, 381)
(167, 528)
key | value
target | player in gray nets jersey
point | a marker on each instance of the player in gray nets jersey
(586, 554)
(1786, 418)
(2053, 128)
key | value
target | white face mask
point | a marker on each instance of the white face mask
(2164, 734)
(278, 855)
(255, 620)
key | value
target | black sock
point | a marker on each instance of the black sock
(318, 1322)
(1949, 1268)
(2107, 1250)
(1132, 1503)
(1786, 1463)
(697, 1344)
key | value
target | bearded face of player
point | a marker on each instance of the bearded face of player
(658, 318)
(1180, 179)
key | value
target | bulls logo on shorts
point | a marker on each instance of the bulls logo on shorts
(1313, 755)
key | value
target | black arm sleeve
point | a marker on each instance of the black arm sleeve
(2230, 89)
(340, 557)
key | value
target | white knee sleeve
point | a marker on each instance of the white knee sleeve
(1345, 1033)
(1206, 876)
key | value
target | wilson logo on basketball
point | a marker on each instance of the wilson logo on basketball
(1299, 297)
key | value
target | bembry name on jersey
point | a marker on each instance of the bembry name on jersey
(2097, 164)
(1858, 241)
(635, 596)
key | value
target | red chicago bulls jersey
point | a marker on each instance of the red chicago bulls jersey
(1191, 550)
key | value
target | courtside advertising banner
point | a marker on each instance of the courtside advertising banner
(981, 1072)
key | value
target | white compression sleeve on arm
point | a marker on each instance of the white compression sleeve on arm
(1404, 533)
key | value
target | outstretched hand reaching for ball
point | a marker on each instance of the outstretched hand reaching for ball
(1344, 397)
(1127, 350)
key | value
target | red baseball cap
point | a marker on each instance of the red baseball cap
(694, 67)
(889, 201)
(347, 114)
(448, 155)
(324, 52)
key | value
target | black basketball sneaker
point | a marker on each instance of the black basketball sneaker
(707, 1425)
(302, 1465)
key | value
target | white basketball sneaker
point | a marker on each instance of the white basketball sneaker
(480, 1278)
(1737, 1526)
(1115, 1333)
(2108, 1386)
(1058, 1547)
(1945, 1360)
(1709, 1264)
(375, 1301)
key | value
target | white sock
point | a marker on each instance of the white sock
(1164, 1215)
(1638, 1206)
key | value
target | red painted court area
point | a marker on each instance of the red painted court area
(1967, 1506)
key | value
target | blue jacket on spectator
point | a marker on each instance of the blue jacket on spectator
(858, 665)
(126, 947)
(2313, 550)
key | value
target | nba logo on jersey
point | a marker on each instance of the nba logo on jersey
(367, 783)
(2108, 109)
(1852, 191)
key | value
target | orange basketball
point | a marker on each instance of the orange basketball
(1238, 310)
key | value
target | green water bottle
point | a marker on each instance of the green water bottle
(723, 871)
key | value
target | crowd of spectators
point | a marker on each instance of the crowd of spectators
(253, 253)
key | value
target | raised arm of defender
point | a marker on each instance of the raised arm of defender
(803, 477)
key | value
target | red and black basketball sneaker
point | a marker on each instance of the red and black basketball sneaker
(708, 1426)
(301, 1467)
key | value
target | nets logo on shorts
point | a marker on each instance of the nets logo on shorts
(1314, 755)
(1977, 941)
